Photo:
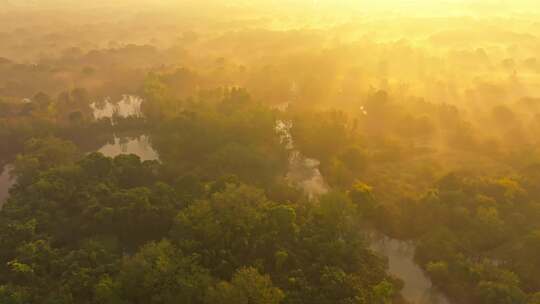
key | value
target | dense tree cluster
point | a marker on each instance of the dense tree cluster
(226, 133)
(216, 221)
(68, 116)
(468, 197)
(478, 236)
(431, 139)
(102, 230)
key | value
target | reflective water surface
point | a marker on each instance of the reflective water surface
(303, 172)
(139, 146)
(128, 106)
(417, 288)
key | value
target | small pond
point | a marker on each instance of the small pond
(139, 145)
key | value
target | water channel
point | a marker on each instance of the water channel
(303, 172)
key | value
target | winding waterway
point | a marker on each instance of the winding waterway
(418, 288)
(304, 173)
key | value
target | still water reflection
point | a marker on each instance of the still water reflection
(417, 288)
(303, 172)
(128, 106)
(139, 146)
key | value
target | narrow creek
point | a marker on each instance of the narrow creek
(304, 173)
(418, 288)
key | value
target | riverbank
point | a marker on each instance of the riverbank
(417, 288)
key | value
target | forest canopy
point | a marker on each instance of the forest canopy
(266, 152)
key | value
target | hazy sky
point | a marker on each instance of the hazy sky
(432, 5)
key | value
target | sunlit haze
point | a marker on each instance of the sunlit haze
(270, 151)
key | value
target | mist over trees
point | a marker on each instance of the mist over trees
(417, 122)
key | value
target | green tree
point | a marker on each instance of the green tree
(362, 195)
(43, 153)
(499, 293)
(247, 286)
(161, 274)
